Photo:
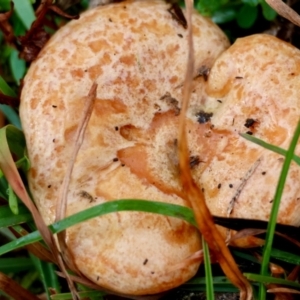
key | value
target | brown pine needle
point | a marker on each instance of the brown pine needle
(285, 11)
(283, 290)
(14, 290)
(79, 136)
(194, 195)
(62, 203)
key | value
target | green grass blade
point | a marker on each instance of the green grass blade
(83, 295)
(25, 12)
(28, 279)
(166, 209)
(13, 201)
(285, 256)
(23, 164)
(15, 264)
(47, 273)
(15, 140)
(7, 218)
(220, 284)
(268, 146)
(208, 273)
(162, 208)
(274, 212)
(9, 112)
(21, 242)
(268, 279)
(6, 89)
(4, 5)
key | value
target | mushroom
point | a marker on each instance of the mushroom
(248, 91)
(255, 84)
(136, 52)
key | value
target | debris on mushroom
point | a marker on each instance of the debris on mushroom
(136, 52)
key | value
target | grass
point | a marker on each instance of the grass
(39, 276)
(275, 209)
(209, 282)
(170, 210)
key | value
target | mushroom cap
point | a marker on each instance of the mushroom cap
(136, 52)
(256, 80)
(252, 88)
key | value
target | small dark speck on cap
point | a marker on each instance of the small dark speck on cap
(219, 185)
(180, 35)
(145, 261)
(115, 159)
(49, 186)
(231, 185)
(203, 117)
(249, 122)
(263, 173)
